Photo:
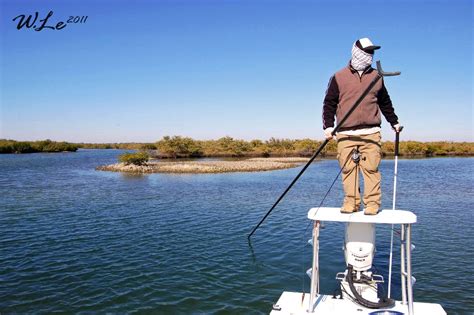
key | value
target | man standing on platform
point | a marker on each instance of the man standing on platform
(359, 139)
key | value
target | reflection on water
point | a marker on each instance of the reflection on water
(75, 239)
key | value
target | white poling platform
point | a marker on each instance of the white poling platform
(383, 217)
(291, 303)
(296, 303)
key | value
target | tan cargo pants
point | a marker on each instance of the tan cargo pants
(370, 149)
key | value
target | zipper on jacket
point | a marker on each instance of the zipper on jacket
(363, 72)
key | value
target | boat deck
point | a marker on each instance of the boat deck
(383, 217)
(291, 303)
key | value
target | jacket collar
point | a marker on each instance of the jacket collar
(367, 70)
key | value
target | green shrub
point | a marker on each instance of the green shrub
(330, 149)
(306, 146)
(413, 148)
(6, 146)
(22, 147)
(148, 146)
(388, 147)
(52, 146)
(256, 143)
(177, 146)
(138, 158)
(280, 145)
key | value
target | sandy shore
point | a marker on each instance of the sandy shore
(248, 165)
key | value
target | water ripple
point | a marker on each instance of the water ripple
(79, 241)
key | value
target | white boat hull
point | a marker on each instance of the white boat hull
(294, 304)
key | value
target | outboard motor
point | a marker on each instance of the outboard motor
(358, 282)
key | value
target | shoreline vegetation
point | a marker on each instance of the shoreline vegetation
(169, 154)
(12, 146)
(184, 147)
(254, 155)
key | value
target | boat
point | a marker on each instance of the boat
(359, 285)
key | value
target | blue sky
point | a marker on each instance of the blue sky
(139, 70)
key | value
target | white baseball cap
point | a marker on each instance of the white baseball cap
(366, 45)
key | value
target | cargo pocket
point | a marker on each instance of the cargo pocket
(371, 158)
(370, 162)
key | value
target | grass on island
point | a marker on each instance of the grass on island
(200, 166)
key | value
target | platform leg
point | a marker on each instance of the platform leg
(315, 267)
(402, 264)
(408, 276)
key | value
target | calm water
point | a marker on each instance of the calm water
(78, 240)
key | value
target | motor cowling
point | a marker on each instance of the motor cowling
(359, 245)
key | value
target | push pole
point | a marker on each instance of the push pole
(381, 74)
(395, 173)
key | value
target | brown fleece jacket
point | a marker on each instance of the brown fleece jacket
(344, 89)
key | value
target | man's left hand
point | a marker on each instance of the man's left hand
(397, 127)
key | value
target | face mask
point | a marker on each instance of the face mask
(360, 59)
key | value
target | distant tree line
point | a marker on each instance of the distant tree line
(121, 145)
(185, 147)
(12, 146)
